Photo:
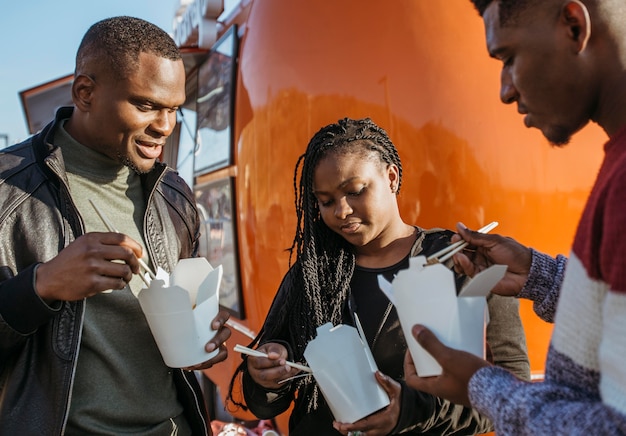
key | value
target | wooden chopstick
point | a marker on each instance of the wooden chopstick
(240, 328)
(249, 351)
(452, 249)
(112, 229)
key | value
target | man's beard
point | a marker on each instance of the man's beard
(125, 160)
(559, 138)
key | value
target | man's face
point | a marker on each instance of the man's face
(131, 118)
(541, 72)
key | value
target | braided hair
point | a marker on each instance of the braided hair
(324, 261)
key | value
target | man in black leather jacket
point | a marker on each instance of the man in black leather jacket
(76, 358)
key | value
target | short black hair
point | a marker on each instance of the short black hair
(117, 42)
(509, 9)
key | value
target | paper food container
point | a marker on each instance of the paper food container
(426, 294)
(179, 309)
(344, 368)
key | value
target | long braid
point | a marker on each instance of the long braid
(325, 261)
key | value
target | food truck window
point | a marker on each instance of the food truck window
(216, 83)
(186, 143)
(218, 237)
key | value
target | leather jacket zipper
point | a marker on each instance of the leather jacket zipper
(53, 165)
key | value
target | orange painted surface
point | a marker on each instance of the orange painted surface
(420, 70)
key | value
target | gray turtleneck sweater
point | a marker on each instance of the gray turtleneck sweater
(121, 384)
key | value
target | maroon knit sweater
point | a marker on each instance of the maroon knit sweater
(584, 392)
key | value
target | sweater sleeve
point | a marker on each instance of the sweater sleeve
(268, 403)
(543, 284)
(505, 336)
(265, 403)
(22, 311)
(517, 407)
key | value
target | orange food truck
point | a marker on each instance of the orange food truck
(265, 75)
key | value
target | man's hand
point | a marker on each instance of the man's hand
(458, 368)
(485, 250)
(93, 263)
(218, 342)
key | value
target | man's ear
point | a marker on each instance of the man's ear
(82, 92)
(576, 17)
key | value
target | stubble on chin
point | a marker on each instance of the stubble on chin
(125, 160)
(561, 135)
(559, 143)
(558, 138)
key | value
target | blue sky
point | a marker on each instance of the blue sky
(38, 42)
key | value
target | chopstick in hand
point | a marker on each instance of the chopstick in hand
(112, 229)
(249, 351)
(452, 249)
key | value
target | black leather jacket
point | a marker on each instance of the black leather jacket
(38, 343)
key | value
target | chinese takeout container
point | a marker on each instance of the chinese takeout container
(426, 294)
(179, 309)
(344, 368)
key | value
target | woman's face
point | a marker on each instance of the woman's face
(356, 196)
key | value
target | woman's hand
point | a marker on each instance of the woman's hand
(268, 371)
(382, 422)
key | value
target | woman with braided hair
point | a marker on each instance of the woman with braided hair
(349, 230)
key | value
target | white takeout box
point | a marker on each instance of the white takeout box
(426, 294)
(344, 369)
(179, 309)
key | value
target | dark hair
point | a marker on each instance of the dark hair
(321, 275)
(117, 42)
(509, 9)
